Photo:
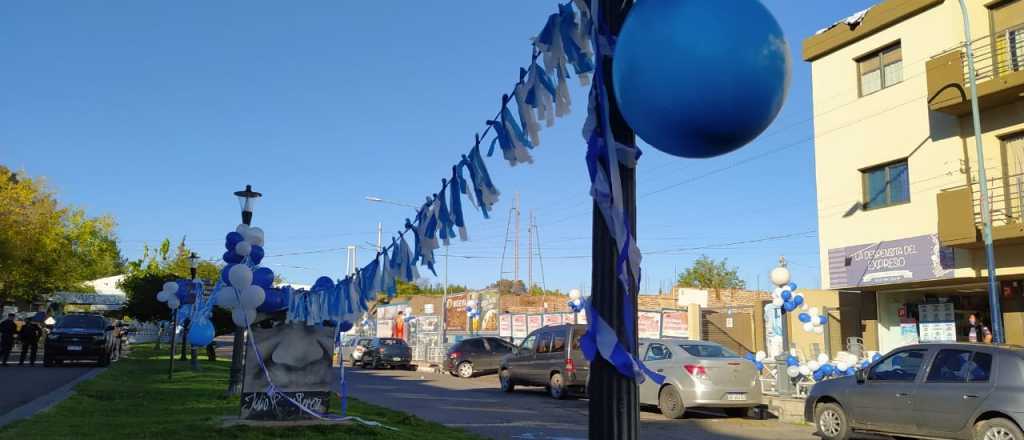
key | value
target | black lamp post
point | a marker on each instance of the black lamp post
(193, 265)
(246, 199)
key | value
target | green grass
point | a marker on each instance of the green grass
(134, 399)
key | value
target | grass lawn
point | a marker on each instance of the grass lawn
(134, 399)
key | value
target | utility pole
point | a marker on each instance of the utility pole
(614, 406)
(379, 231)
(515, 251)
(529, 253)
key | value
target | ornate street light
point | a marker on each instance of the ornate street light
(246, 198)
(780, 277)
(193, 263)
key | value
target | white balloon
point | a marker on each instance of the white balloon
(808, 327)
(814, 314)
(242, 228)
(255, 236)
(793, 371)
(243, 248)
(171, 287)
(173, 303)
(240, 276)
(780, 276)
(842, 366)
(574, 294)
(161, 296)
(252, 297)
(243, 317)
(822, 358)
(226, 298)
(819, 330)
(805, 307)
(805, 370)
(761, 356)
(813, 365)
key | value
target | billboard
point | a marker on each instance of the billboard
(519, 327)
(534, 322)
(904, 260)
(552, 319)
(505, 325)
(649, 325)
(675, 324)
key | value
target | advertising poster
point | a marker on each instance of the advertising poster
(649, 325)
(505, 325)
(298, 359)
(534, 322)
(908, 333)
(552, 319)
(675, 324)
(519, 328)
(384, 327)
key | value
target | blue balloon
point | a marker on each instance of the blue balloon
(274, 300)
(827, 369)
(787, 295)
(788, 306)
(823, 319)
(865, 364)
(231, 257)
(345, 326)
(201, 332)
(759, 365)
(750, 357)
(876, 357)
(256, 254)
(263, 277)
(185, 293)
(224, 274)
(792, 361)
(323, 283)
(232, 239)
(798, 300)
(792, 286)
(696, 112)
(804, 317)
(818, 376)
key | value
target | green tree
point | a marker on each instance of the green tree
(506, 287)
(707, 273)
(46, 247)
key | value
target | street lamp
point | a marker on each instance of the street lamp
(444, 294)
(780, 277)
(246, 198)
(193, 266)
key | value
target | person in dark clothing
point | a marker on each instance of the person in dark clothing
(29, 335)
(7, 330)
(976, 331)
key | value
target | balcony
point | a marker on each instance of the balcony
(999, 66)
(960, 212)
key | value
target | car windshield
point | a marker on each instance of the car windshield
(392, 342)
(82, 321)
(708, 351)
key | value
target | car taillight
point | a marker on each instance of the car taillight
(570, 366)
(697, 371)
(454, 354)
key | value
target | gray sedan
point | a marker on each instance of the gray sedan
(698, 374)
(958, 391)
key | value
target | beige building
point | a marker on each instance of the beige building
(898, 192)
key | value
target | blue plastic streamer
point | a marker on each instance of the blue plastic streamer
(455, 189)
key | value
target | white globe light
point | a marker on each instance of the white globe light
(780, 276)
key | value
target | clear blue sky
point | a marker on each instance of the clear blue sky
(154, 112)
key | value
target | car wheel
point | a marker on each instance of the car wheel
(671, 403)
(505, 378)
(737, 413)
(556, 386)
(465, 370)
(831, 421)
(997, 429)
(104, 359)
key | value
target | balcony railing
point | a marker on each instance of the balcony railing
(960, 219)
(999, 66)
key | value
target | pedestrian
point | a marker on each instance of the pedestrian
(7, 330)
(29, 335)
(398, 329)
(976, 331)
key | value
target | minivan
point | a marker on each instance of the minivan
(549, 357)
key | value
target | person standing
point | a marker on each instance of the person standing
(29, 335)
(976, 331)
(7, 330)
(398, 328)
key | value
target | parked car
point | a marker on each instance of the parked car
(959, 391)
(698, 374)
(81, 336)
(549, 357)
(387, 352)
(474, 356)
(353, 349)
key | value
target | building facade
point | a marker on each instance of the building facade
(899, 210)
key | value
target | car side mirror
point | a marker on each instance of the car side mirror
(862, 375)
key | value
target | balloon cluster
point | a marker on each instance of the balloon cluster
(813, 320)
(176, 293)
(758, 359)
(244, 242)
(787, 298)
(821, 368)
(245, 287)
(575, 301)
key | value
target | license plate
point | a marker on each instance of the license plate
(74, 348)
(396, 359)
(736, 396)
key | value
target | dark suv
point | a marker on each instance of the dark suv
(387, 352)
(475, 356)
(81, 336)
(548, 357)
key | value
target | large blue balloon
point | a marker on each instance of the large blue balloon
(201, 332)
(263, 277)
(232, 239)
(792, 361)
(798, 300)
(345, 326)
(323, 283)
(827, 369)
(787, 295)
(697, 78)
(185, 293)
(256, 254)
(231, 257)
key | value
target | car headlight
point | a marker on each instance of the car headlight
(52, 337)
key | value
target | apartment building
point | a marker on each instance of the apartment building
(899, 209)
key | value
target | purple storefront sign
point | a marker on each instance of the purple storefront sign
(918, 258)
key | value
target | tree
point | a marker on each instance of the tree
(506, 287)
(412, 289)
(707, 273)
(46, 247)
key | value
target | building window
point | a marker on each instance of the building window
(886, 185)
(880, 69)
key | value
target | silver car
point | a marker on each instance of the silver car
(698, 374)
(949, 391)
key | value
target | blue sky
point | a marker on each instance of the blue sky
(154, 112)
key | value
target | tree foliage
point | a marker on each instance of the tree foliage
(412, 289)
(46, 247)
(706, 273)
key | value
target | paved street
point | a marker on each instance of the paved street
(20, 385)
(477, 405)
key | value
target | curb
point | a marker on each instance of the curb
(43, 403)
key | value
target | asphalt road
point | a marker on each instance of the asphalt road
(21, 385)
(478, 406)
